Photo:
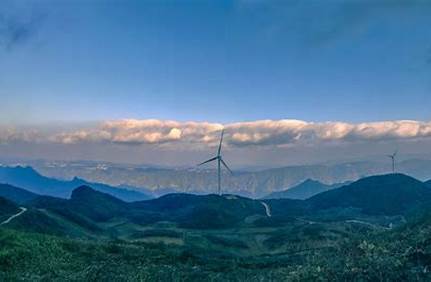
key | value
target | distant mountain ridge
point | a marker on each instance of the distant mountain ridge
(304, 190)
(32, 181)
(255, 184)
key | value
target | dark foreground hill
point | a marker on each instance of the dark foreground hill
(31, 180)
(199, 211)
(390, 194)
(304, 190)
(84, 203)
(16, 194)
(386, 195)
(89, 207)
(7, 208)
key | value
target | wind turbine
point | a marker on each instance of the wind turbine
(393, 160)
(220, 162)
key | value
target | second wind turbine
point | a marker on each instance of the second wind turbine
(220, 161)
(393, 156)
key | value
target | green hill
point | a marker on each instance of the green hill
(387, 195)
(16, 194)
(65, 212)
(37, 221)
(85, 203)
(7, 208)
(200, 211)
(390, 194)
(190, 211)
(96, 205)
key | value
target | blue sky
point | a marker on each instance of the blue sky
(219, 61)
(94, 79)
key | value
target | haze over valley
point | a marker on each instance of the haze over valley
(255, 183)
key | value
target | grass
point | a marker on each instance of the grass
(328, 252)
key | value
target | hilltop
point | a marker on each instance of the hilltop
(384, 194)
(304, 190)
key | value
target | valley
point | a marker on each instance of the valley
(334, 235)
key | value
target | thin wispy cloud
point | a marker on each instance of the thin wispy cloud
(356, 17)
(17, 29)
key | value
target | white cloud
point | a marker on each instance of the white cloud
(255, 133)
(10, 134)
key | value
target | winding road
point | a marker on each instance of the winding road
(305, 221)
(368, 223)
(23, 210)
(267, 209)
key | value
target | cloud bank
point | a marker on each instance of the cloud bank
(280, 133)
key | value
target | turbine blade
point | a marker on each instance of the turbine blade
(221, 140)
(225, 165)
(210, 160)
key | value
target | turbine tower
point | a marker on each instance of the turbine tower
(393, 160)
(220, 162)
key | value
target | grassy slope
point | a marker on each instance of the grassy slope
(403, 254)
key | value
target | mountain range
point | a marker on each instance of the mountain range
(32, 181)
(95, 211)
(254, 184)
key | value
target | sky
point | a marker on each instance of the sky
(156, 81)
